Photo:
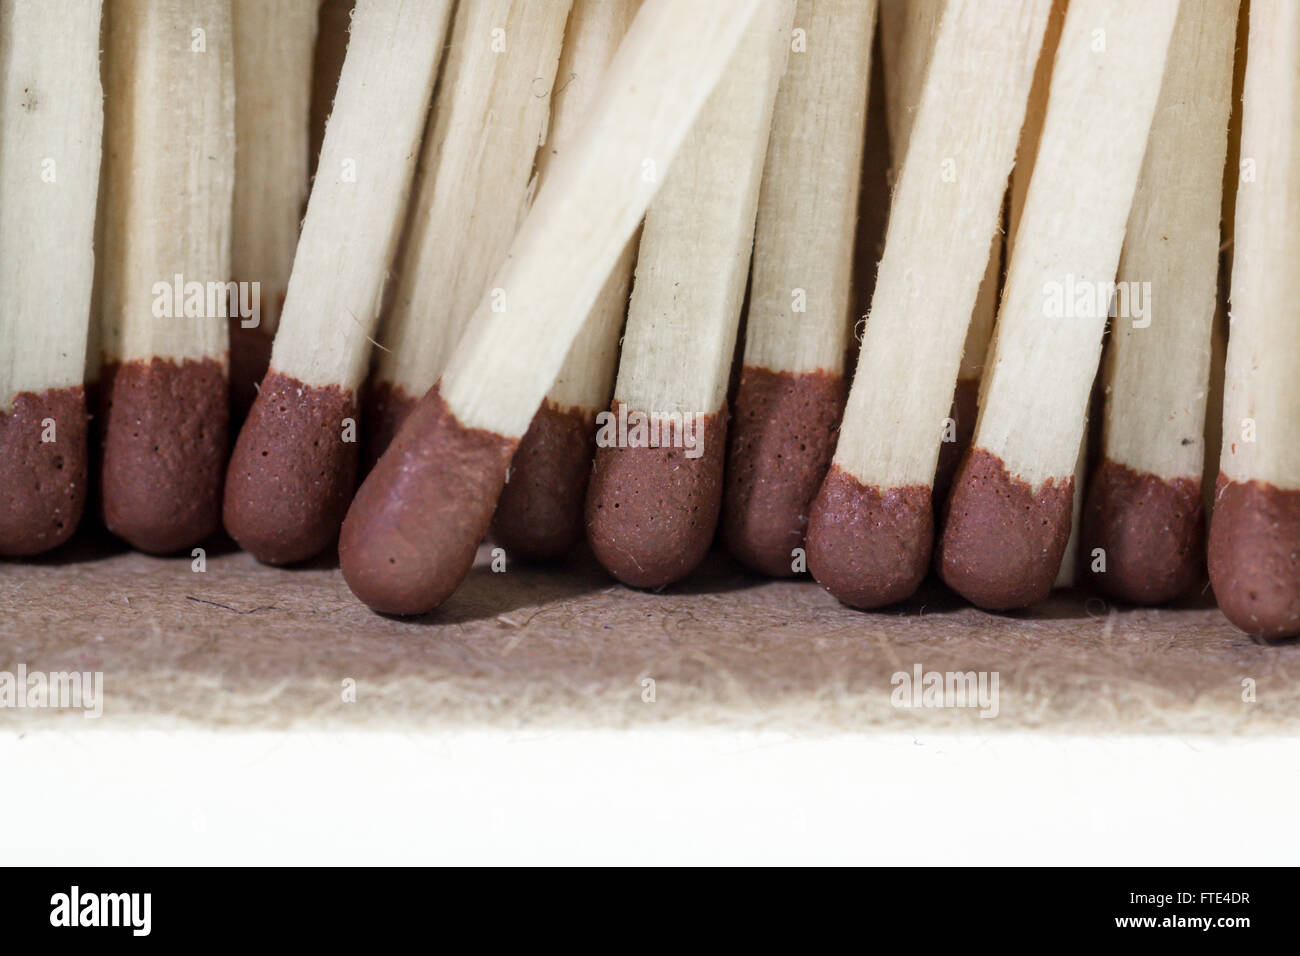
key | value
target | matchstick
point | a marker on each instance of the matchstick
(413, 528)
(871, 526)
(164, 261)
(1143, 516)
(540, 511)
(273, 83)
(791, 389)
(294, 466)
(656, 486)
(471, 191)
(1254, 553)
(51, 120)
(1009, 514)
(909, 28)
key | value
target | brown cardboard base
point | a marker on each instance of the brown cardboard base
(240, 644)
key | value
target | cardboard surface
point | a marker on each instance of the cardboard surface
(240, 644)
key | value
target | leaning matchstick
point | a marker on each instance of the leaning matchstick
(294, 466)
(51, 119)
(1254, 553)
(1143, 509)
(540, 511)
(871, 525)
(1009, 514)
(273, 84)
(169, 158)
(791, 390)
(472, 189)
(909, 28)
(413, 528)
(656, 486)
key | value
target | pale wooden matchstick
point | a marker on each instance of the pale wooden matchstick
(1254, 553)
(791, 390)
(540, 511)
(412, 531)
(163, 265)
(1009, 514)
(1143, 526)
(51, 120)
(908, 30)
(274, 43)
(471, 191)
(656, 487)
(294, 466)
(871, 526)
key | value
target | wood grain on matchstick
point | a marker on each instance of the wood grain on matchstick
(294, 465)
(871, 527)
(471, 191)
(1254, 553)
(540, 511)
(51, 120)
(410, 536)
(1144, 508)
(169, 158)
(654, 497)
(791, 389)
(1009, 515)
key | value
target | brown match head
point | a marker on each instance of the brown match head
(386, 407)
(42, 470)
(1254, 556)
(293, 470)
(870, 547)
(780, 440)
(651, 511)
(164, 440)
(1002, 543)
(410, 536)
(540, 512)
(1151, 532)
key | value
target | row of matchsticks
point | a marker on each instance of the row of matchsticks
(521, 208)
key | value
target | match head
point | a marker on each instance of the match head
(867, 546)
(293, 470)
(651, 511)
(780, 442)
(1150, 531)
(410, 536)
(42, 470)
(164, 436)
(1254, 556)
(540, 512)
(1002, 543)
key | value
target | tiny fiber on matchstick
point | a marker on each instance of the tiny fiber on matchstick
(51, 119)
(163, 269)
(412, 531)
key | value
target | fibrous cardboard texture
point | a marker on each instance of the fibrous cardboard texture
(240, 644)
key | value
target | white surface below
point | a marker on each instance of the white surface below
(639, 798)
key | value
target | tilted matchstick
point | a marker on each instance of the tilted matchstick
(274, 43)
(1009, 514)
(1254, 553)
(871, 526)
(169, 169)
(909, 28)
(472, 190)
(540, 511)
(51, 120)
(294, 466)
(791, 389)
(411, 533)
(1143, 514)
(656, 488)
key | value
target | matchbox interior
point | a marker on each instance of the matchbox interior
(564, 646)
